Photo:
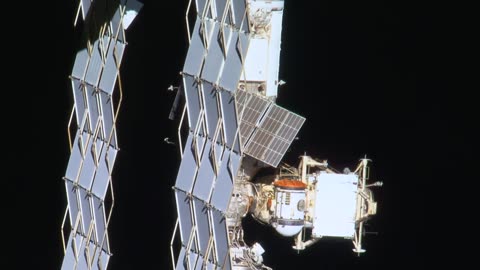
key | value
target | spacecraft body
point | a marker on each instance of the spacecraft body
(236, 130)
(95, 84)
(313, 197)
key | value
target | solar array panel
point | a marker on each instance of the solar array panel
(266, 129)
(274, 135)
(282, 123)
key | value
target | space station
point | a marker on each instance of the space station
(235, 129)
(230, 132)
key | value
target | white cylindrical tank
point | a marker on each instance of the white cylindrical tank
(289, 209)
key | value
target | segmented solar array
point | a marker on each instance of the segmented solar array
(212, 153)
(88, 176)
(219, 131)
(266, 129)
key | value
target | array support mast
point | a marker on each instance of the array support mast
(235, 130)
(95, 77)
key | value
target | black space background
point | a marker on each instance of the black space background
(360, 72)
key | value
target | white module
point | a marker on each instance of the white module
(335, 202)
(289, 216)
(263, 54)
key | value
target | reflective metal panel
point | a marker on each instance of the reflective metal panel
(106, 108)
(88, 169)
(211, 107)
(80, 65)
(205, 176)
(221, 236)
(229, 117)
(99, 218)
(72, 198)
(187, 170)
(112, 65)
(193, 100)
(102, 177)
(69, 259)
(75, 160)
(239, 11)
(224, 183)
(95, 65)
(193, 259)
(214, 58)
(200, 4)
(79, 98)
(181, 263)
(202, 222)
(184, 215)
(196, 51)
(84, 200)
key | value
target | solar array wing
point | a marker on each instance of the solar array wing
(212, 153)
(274, 134)
(209, 165)
(266, 129)
(88, 174)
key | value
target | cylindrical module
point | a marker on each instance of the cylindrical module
(289, 208)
